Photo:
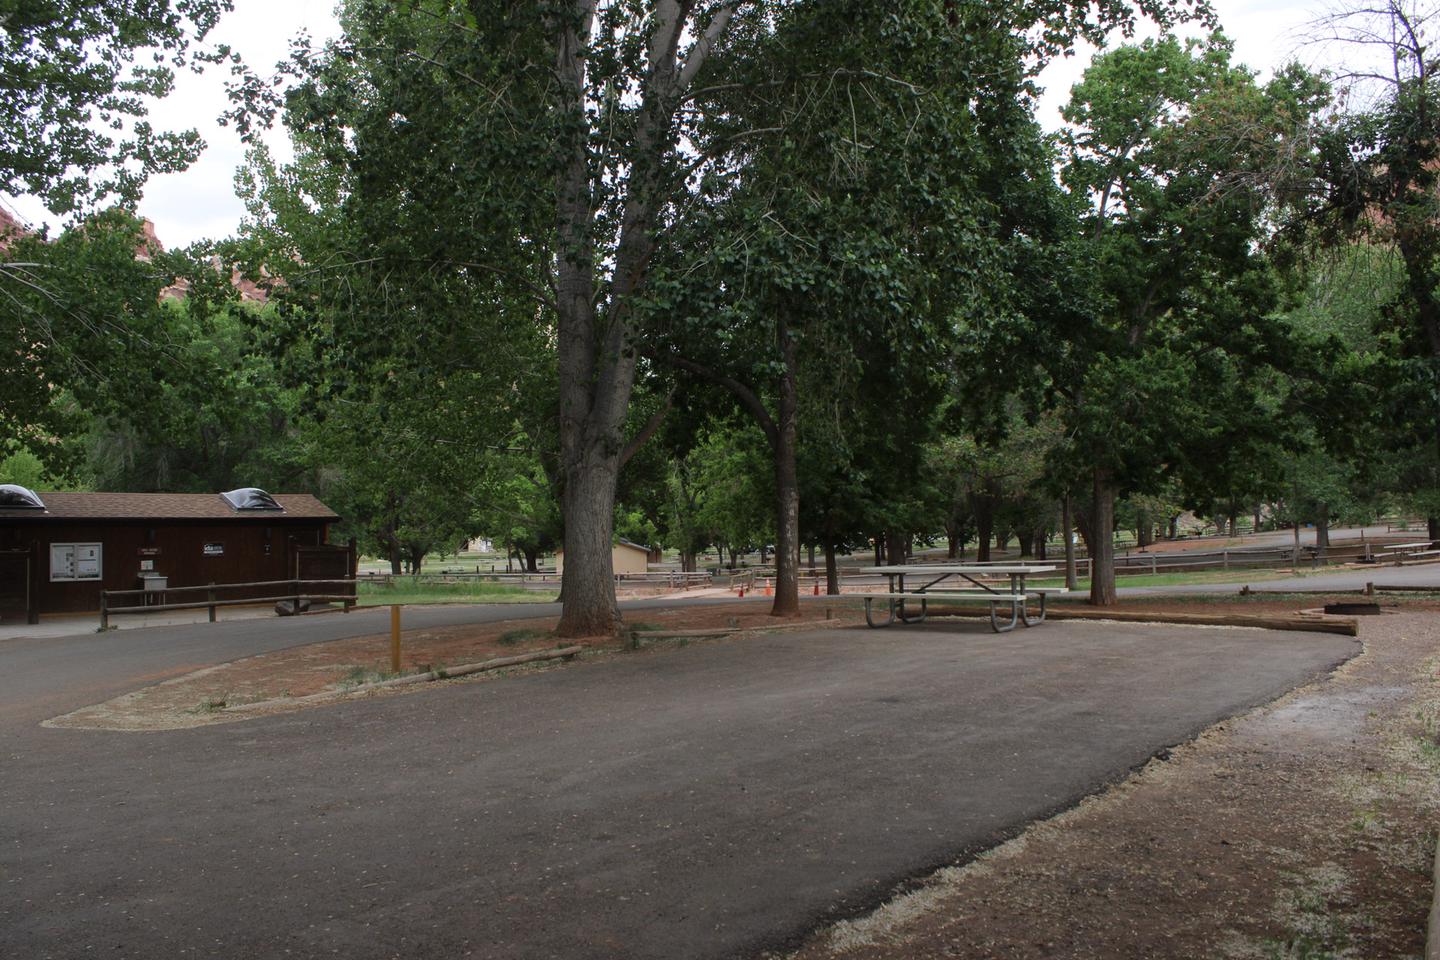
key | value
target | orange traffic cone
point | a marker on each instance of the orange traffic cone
(817, 588)
(768, 590)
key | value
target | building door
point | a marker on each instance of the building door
(16, 602)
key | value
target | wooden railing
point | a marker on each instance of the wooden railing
(672, 578)
(295, 593)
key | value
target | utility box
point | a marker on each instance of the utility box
(154, 585)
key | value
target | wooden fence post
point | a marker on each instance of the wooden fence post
(104, 611)
(210, 595)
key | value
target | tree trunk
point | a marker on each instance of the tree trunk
(1234, 526)
(1257, 518)
(832, 572)
(532, 560)
(984, 525)
(811, 548)
(395, 562)
(897, 546)
(952, 543)
(1322, 528)
(1175, 527)
(588, 502)
(687, 561)
(1038, 538)
(1067, 531)
(1144, 530)
(1432, 528)
(1002, 539)
(1027, 544)
(879, 542)
(1101, 541)
(787, 483)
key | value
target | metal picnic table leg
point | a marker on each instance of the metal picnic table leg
(1015, 607)
(890, 608)
(1032, 621)
(919, 619)
(1017, 586)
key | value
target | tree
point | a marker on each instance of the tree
(1376, 179)
(561, 121)
(858, 229)
(1178, 293)
(69, 79)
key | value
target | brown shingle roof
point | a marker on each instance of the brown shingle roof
(164, 506)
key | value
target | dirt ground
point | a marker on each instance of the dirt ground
(1304, 829)
(339, 667)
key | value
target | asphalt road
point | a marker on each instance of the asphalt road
(1421, 575)
(708, 801)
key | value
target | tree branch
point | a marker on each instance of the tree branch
(700, 50)
(747, 397)
(648, 430)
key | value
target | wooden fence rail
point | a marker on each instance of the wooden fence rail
(295, 594)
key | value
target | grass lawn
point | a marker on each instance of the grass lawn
(1179, 578)
(378, 594)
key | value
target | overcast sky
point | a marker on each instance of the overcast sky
(200, 203)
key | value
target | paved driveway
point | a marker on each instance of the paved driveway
(710, 801)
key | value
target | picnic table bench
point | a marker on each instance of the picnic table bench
(967, 585)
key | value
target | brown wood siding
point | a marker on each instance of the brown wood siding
(180, 556)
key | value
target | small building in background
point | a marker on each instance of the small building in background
(59, 550)
(627, 558)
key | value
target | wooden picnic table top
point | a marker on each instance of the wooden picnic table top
(1004, 569)
(1408, 546)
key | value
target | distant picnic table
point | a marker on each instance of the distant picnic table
(961, 583)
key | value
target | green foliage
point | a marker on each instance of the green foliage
(69, 79)
(1177, 323)
(731, 466)
(86, 335)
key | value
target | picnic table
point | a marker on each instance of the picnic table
(1400, 552)
(961, 583)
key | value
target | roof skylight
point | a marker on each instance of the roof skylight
(251, 498)
(14, 495)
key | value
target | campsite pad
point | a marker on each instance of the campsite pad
(341, 666)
